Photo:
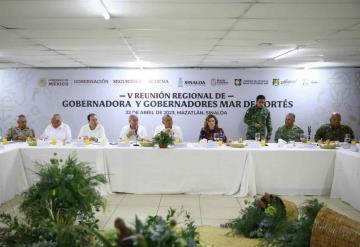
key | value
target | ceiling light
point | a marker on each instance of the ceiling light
(265, 44)
(103, 9)
(282, 55)
(140, 64)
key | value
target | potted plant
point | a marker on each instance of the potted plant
(163, 139)
(155, 231)
(58, 210)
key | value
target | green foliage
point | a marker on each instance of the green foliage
(163, 138)
(59, 209)
(157, 231)
(65, 193)
(268, 221)
(297, 233)
(256, 221)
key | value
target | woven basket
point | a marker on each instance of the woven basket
(292, 211)
(333, 229)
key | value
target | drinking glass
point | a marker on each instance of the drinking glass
(347, 138)
(257, 137)
(216, 137)
(302, 138)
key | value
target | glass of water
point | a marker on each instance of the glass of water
(347, 138)
(302, 138)
(257, 136)
(216, 137)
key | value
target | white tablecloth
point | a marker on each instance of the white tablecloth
(181, 170)
(293, 171)
(196, 170)
(12, 176)
(93, 155)
(346, 182)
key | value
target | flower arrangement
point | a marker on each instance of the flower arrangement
(275, 222)
(260, 218)
(31, 141)
(155, 231)
(163, 139)
(59, 210)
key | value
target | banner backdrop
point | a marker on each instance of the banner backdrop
(186, 94)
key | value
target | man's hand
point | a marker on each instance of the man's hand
(94, 139)
(167, 131)
(22, 138)
(131, 133)
(258, 126)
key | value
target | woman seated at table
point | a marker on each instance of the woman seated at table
(211, 130)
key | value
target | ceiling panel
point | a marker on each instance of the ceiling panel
(170, 33)
(177, 9)
(303, 11)
(301, 25)
(48, 9)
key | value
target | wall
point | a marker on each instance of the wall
(311, 94)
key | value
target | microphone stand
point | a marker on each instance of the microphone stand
(136, 139)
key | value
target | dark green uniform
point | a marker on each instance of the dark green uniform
(326, 132)
(14, 133)
(288, 133)
(257, 115)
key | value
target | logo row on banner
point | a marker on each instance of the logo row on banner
(180, 83)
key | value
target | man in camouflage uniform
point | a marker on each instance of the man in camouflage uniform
(289, 132)
(20, 132)
(334, 131)
(258, 120)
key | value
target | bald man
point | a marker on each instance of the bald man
(57, 129)
(20, 132)
(168, 127)
(290, 131)
(133, 130)
(335, 131)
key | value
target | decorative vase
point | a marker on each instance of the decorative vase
(163, 145)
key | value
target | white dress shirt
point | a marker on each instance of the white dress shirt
(98, 132)
(63, 132)
(175, 131)
(141, 132)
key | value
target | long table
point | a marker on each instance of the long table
(12, 174)
(191, 170)
(293, 171)
(182, 170)
(346, 181)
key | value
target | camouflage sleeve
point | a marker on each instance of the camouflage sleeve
(32, 133)
(268, 124)
(319, 134)
(247, 118)
(277, 135)
(9, 134)
(301, 131)
(351, 132)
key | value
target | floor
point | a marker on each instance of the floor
(204, 209)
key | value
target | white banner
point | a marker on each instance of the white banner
(186, 94)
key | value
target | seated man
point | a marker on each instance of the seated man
(289, 131)
(20, 132)
(334, 131)
(57, 129)
(168, 127)
(133, 130)
(93, 130)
